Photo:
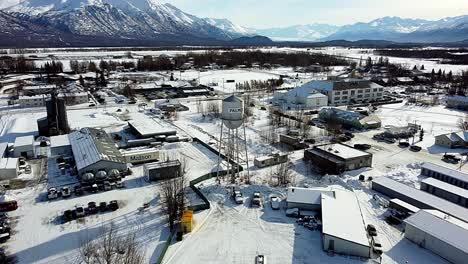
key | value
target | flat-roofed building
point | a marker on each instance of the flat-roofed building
(439, 233)
(306, 198)
(60, 146)
(337, 158)
(418, 198)
(445, 191)
(445, 174)
(8, 168)
(151, 129)
(343, 227)
(24, 147)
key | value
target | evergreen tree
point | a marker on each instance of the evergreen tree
(81, 80)
(422, 67)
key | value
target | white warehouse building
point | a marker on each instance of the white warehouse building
(346, 91)
(303, 97)
(444, 235)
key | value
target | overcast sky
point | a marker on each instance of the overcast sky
(280, 13)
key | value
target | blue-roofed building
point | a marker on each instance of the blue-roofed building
(442, 234)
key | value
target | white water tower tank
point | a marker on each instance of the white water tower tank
(232, 112)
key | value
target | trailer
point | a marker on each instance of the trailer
(141, 155)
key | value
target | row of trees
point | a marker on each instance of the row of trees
(452, 56)
(254, 85)
(90, 66)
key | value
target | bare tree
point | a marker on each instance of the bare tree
(110, 247)
(462, 123)
(213, 109)
(173, 195)
(283, 173)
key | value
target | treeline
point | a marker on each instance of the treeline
(17, 64)
(150, 63)
(452, 56)
(248, 58)
(254, 85)
(90, 66)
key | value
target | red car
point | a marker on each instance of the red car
(8, 206)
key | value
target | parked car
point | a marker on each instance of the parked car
(52, 194)
(92, 208)
(293, 212)
(376, 245)
(403, 144)
(107, 186)
(362, 146)
(237, 195)
(256, 199)
(260, 259)
(79, 190)
(450, 158)
(67, 215)
(79, 210)
(102, 206)
(415, 148)
(113, 205)
(349, 134)
(371, 230)
(119, 184)
(4, 237)
(275, 202)
(94, 188)
(390, 140)
(66, 192)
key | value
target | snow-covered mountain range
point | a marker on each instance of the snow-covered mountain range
(154, 22)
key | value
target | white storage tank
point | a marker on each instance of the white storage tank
(232, 112)
(87, 177)
(101, 175)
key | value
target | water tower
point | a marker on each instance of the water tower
(232, 142)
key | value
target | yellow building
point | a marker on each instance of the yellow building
(187, 221)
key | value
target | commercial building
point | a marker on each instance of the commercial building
(270, 160)
(162, 170)
(349, 119)
(93, 151)
(418, 198)
(141, 155)
(343, 227)
(337, 158)
(303, 97)
(39, 89)
(8, 168)
(151, 129)
(32, 101)
(347, 91)
(445, 191)
(439, 233)
(74, 98)
(459, 102)
(305, 198)
(60, 146)
(24, 147)
(402, 206)
(453, 140)
(444, 174)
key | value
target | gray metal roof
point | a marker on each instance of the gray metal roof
(440, 228)
(447, 187)
(446, 171)
(423, 197)
(3, 148)
(162, 164)
(91, 145)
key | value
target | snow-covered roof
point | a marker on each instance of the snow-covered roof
(445, 171)
(3, 148)
(343, 114)
(152, 128)
(447, 187)
(24, 141)
(162, 164)
(59, 141)
(40, 87)
(342, 217)
(9, 163)
(39, 96)
(342, 151)
(405, 205)
(440, 228)
(409, 194)
(91, 145)
(306, 195)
